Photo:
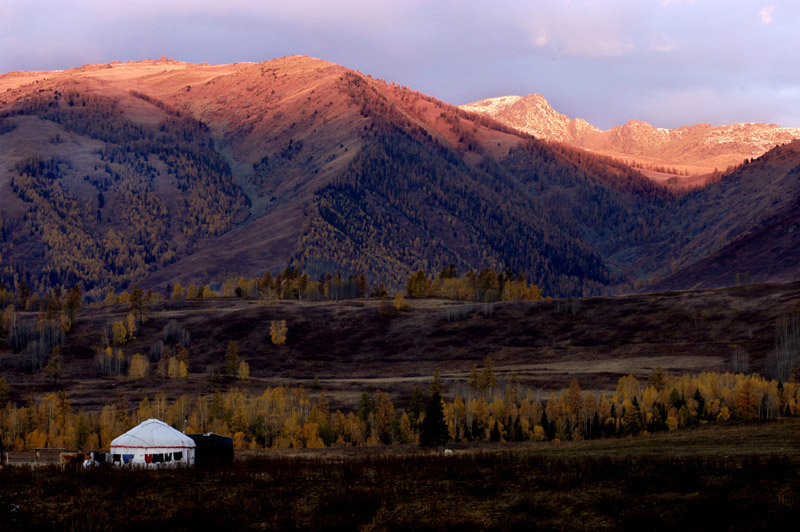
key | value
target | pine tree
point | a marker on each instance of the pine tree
(5, 392)
(487, 380)
(415, 405)
(137, 303)
(474, 380)
(365, 406)
(232, 357)
(433, 431)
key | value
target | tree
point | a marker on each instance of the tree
(73, 304)
(436, 383)
(5, 392)
(474, 379)
(385, 308)
(746, 407)
(433, 431)
(54, 368)
(418, 285)
(232, 357)
(173, 368)
(631, 420)
(23, 292)
(365, 406)
(400, 302)
(362, 285)
(415, 405)
(136, 300)
(277, 332)
(657, 379)
(130, 325)
(139, 366)
(575, 399)
(379, 290)
(119, 333)
(178, 295)
(243, 372)
(487, 380)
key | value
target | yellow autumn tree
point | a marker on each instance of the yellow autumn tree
(119, 333)
(130, 325)
(243, 371)
(746, 406)
(277, 332)
(139, 366)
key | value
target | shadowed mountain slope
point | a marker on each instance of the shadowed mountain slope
(160, 172)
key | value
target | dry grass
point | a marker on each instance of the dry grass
(350, 348)
(736, 477)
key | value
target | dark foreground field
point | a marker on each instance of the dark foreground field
(730, 477)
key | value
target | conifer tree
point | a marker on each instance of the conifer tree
(415, 405)
(232, 357)
(433, 430)
(5, 392)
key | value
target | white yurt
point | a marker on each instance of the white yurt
(153, 443)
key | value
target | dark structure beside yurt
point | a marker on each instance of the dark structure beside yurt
(212, 449)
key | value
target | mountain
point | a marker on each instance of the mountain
(533, 114)
(162, 172)
(662, 154)
(743, 229)
(158, 172)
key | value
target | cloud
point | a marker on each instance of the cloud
(311, 12)
(662, 48)
(582, 29)
(765, 13)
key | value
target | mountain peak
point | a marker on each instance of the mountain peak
(533, 114)
(697, 149)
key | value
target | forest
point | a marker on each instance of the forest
(127, 227)
(283, 418)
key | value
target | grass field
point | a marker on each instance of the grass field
(724, 477)
(350, 348)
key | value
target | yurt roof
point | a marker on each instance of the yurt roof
(153, 433)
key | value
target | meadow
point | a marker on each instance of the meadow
(731, 476)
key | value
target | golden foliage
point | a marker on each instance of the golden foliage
(139, 366)
(278, 331)
(243, 372)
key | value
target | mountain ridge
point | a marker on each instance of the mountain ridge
(159, 172)
(696, 149)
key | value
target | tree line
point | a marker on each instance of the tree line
(284, 417)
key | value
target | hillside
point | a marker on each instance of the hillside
(666, 155)
(350, 347)
(749, 224)
(162, 172)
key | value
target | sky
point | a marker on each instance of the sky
(668, 62)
